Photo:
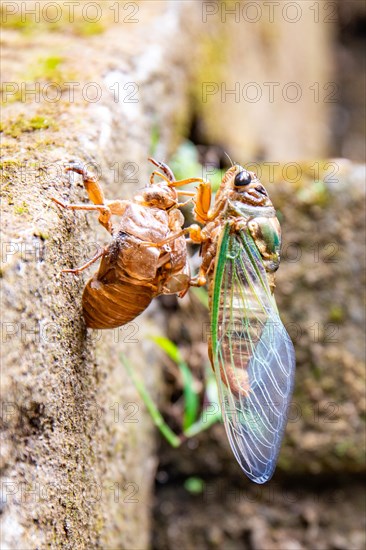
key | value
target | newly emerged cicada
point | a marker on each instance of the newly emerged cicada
(147, 255)
(250, 351)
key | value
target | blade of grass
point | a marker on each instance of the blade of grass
(191, 401)
(211, 413)
(158, 420)
(168, 347)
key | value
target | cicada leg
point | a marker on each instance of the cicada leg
(104, 211)
(99, 207)
(162, 176)
(164, 167)
(177, 183)
(167, 240)
(195, 234)
(96, 195)
(168, 175)
(203, 202)
(182, 204)
(204, 270)
(93, 188)
(180, 183)
(202, 210)
(78, 270)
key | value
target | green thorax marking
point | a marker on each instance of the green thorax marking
(222, 256)
(270, 234)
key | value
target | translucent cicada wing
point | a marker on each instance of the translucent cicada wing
(252, 354)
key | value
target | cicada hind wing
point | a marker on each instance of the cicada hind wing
(252, 355)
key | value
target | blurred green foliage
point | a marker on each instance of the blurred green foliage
(193, 421)
(194, 485)
(185, 164)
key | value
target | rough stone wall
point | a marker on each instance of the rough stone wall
(77, 446)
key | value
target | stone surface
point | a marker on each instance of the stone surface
(77, 446)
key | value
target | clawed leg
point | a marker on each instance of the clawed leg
(182, 204)
(93, 188)
(167, 240)
(187, 193)
(78, 270)
(196, 234)
(167, 175)
(164, 168)
(99, 207)
(95, 194)
(203, 202)
(162, 176)
(186, 181)
(201, 278)
(175, 183)
(207, 265)
(104, 211)
(198, 281)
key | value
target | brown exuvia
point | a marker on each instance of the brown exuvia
(148, 252)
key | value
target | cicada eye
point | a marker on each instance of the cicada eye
(242, 178)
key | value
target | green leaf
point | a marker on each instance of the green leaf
(191, 401)
(211, 413)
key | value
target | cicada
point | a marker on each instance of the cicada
(147, 255)
(250, 351)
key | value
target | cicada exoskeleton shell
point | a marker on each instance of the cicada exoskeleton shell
(148, 252)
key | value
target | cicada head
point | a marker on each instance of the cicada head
(239, 184)
(160, 196)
